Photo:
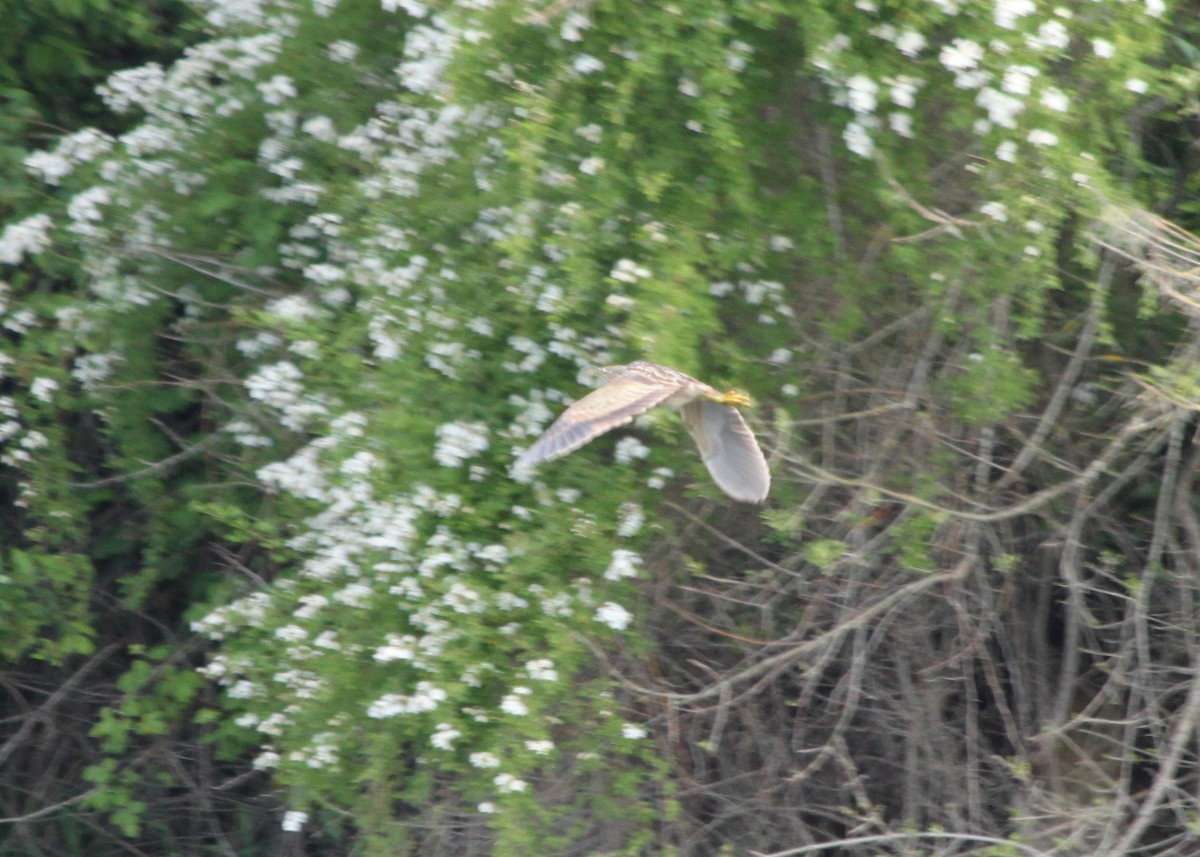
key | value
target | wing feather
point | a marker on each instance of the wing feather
(601, 410)
(729, 449)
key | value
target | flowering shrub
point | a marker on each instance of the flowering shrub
(354, 256)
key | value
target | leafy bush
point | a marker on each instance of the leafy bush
(279, 342)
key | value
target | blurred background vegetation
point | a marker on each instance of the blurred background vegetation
(289, 284)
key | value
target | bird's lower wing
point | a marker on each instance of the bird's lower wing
(602, 410)
(729, 450)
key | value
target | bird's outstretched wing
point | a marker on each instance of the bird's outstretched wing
(601, 410)
(729, 450)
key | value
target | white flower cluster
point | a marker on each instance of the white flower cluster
(613, 615)
(133, 88)
(630, 519)
(425, 698)
(542, 669)
(625, 563)
(18, 452)
(322, 753)
(175, 98)
(1006, 74)
(428, 50)
(42, 389)
(27, 237)
(279, 386)
(51, 166)
(629, 448)
(444, 736)
(506, 783)
(513, 703)
(458, 442)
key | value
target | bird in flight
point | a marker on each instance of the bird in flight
(727, 445)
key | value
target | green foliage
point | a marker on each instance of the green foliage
(991, 385)
(913, 539)
(288, 334)
(823, 553)
(114, 795)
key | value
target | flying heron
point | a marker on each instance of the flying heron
(726, 444)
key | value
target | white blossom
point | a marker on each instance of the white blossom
(901, 123)
(910, 43)
(632, 732)
(587, 64)
(426, 698)
(294, 820)
(277, 90)
(659, 478)
(573, 25)
(428, 50)
(861, 93)
(398, 648)
(291, 633)
(1055, 99)
(620, 302)
(961, 55)
(541, 669)
(132, 88)
(1018, 79)
(1001, 109)
(43, 389)
(1051, 34)
(1008, 12)
(858, 140)
(278, 385)
(356, 594)
(244, 689)
(266, 761)
(904, 90)
(50, 167)
(342, 51)
(507, 783)
(630, 519)
(629, 448)
(628, 271)
(613, 615)
(444, 736)
(1042, 137)
(414, 8)
(995, 210)
(458, 441)
(26, 237)
(484, 759)
(514, 705)
(625, 563)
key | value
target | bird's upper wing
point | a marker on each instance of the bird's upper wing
(729, 449)
(601, 410)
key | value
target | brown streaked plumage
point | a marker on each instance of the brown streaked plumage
(726, 443)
